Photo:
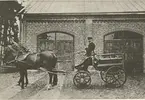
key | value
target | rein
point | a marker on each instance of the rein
(74, 53)
(10, 61)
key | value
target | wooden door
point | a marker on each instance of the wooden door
(62, 44)
(131, 47)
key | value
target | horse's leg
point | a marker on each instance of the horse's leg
(26, 76)
(49, 81)
(55, 79)
(20, 77)
(20, 80)
(23, 74)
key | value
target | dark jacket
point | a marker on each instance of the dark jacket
(90, 49)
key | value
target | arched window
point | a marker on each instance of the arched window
(60, 42)
(129, 43)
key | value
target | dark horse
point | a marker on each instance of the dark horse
(45, 59)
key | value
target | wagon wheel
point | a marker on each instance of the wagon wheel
(102, 74)
(82, 79)
(115, 76)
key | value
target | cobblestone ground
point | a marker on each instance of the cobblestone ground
(7, 79)
(134, 88)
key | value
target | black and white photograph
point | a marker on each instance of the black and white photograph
(72, 49)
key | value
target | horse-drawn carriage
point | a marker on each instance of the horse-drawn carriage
(111, 67)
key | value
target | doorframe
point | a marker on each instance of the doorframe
(56, 32)
(122, 31)
(142, 38)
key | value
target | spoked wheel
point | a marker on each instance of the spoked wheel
(115, 76)
(82, 79)
(102, 73)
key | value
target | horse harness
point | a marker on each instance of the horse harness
(22, 60)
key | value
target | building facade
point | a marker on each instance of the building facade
(66, 33)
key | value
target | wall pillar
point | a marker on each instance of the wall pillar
(88, 29)
(22, 31)
(143, 54)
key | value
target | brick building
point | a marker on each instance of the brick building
(115, 25)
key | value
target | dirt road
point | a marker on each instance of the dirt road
(133, 89)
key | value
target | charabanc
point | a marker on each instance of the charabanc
(111, 67)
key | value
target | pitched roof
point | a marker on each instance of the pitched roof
(84, 6)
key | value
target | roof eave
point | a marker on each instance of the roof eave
(92, 13)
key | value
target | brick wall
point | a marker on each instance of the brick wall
(101, 28)
(34, 28)
(80, 29)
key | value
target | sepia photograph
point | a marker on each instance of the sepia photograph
(72, 49)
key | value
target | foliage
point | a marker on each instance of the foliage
(8, 23)
(8, 12)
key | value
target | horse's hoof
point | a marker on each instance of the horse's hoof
(18, 84)
(26, 84)
(22, 87)
(54, 85)
(49, 87)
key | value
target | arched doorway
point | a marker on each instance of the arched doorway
(129, 43)
(61, 43)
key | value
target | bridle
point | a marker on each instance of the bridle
(12, 61)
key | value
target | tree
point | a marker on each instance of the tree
(8, 26)
(8, 12)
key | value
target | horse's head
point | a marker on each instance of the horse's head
(9, 54)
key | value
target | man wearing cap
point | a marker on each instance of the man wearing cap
(91, 47)
(89, 53)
